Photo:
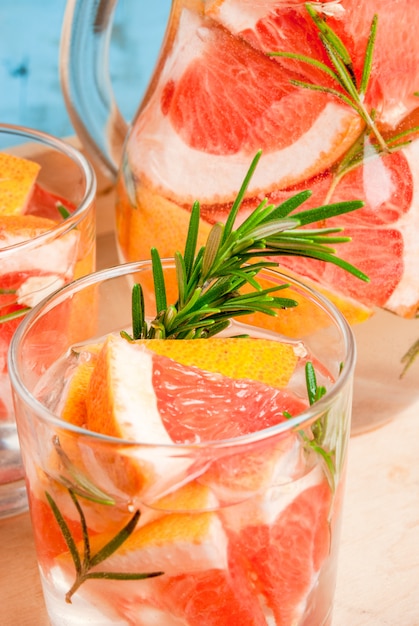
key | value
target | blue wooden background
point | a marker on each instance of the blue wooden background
(30, 31)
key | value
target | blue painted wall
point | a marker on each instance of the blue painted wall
(30, 32)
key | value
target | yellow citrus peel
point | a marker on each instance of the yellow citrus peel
(17, 177)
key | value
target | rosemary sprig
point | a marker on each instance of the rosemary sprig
(210, 280)
(370, 143)
(315, 441)
(409, 357)
(85, 561)
(346, 89)
(7, 317)
(341, 71)
(77, 482)
(319, 428)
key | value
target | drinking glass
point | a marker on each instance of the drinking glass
(36, 257)
(243, 530)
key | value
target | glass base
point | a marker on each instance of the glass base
(13, 499)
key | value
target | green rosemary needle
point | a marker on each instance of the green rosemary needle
(409, 357)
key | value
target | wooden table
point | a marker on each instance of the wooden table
(378, 576)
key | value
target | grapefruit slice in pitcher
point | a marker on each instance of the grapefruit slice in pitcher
(209, 134)
(219, 101)
(383, 234)
(287, 27)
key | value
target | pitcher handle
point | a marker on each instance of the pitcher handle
(86, 84)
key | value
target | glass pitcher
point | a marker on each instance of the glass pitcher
(327, 90)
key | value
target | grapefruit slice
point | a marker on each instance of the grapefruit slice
(130, 392)
(136, 395)
(112, 393)
(18, 228)
(197, 406)
(275, 26)
(17, 179)
(252, 105)
(383, 232)
(155, 219)
(286, 556)
(45, 203)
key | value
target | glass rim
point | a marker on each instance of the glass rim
(73, 153)
(305, 417)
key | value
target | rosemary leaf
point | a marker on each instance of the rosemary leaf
(181, 278)
(324, 212)
(331, 91)
(309, 61)
(345, 77)
(191, 239)
(117, 541)
(85, 533)
(79, 483)
(409, 357)
(330, 36)
(239, 198)
(273, 227)
(121, 575)
(211, 249)
(137, 303)
(159, 285)
(366, 72)
(289, 205)
(314, 392)
(68, 537)
(13, 315)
